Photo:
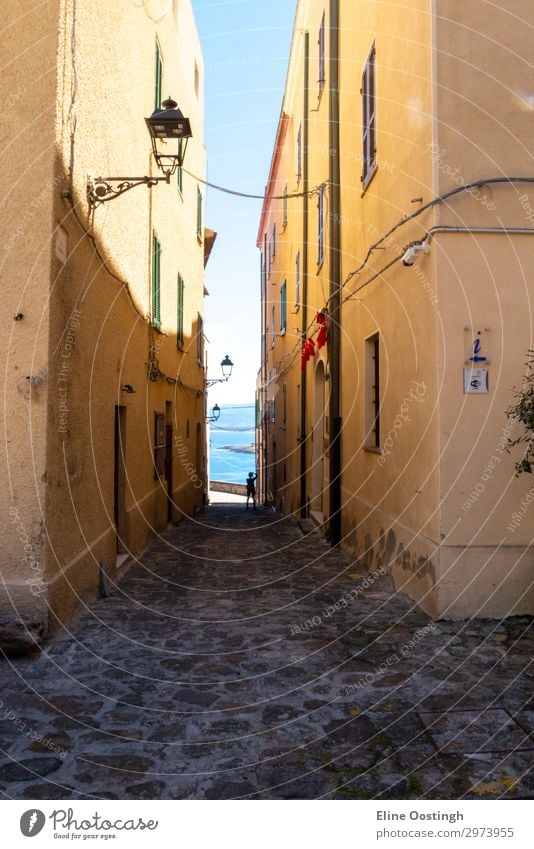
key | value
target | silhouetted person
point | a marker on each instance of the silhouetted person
(251, 488)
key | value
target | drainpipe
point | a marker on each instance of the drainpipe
(304, 271)
(335, 282)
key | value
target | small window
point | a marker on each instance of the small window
(273, 332)
(299, 154)
(372, 392)
(297, 282)
(197, 79)
(274, 240)
(369, 119)
(180, 317)
(273, 410)
(200, 340)
(322, 57)
(199, 214)
(159, 445)
(156, 281)
(320, 227)
(158, 89)
(283, 308)
(285, 205)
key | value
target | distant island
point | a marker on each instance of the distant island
(240, 449)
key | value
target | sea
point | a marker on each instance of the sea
(232, 443)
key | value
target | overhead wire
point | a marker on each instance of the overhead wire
(404, 220)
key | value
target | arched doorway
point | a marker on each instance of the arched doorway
(319, 403)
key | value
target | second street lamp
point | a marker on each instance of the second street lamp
(216, 412)
(226, 368)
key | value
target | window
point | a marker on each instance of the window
(372, 393)
(200, 340)
(284, 404)
(180, 317)
(299, 154)
(297, 282)
(273, 332)
(270, 255)
(159, 445)
(197, 79)
(369, 119)
(180, 170)
(273, 410)
(199, 214)
(322, 66)
(320, 227)
(158, 88)
(274, 240)
(283, 308)
(156, 281)
(285, 205)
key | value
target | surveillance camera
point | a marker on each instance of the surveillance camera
(413, 251)
(410, 256)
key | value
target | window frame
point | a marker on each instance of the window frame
(158, 81)
(180, 312)
(200, 214)
(155, 281)
(368, 92)
(160, 445)
(297, 281)
(299, 154)
(320, 227)
(372, 393)
(200, 340)
(283, 308)
(322, 55)
(273, 326)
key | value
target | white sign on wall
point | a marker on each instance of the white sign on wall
(476, 381)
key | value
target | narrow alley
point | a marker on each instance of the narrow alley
(245, 658)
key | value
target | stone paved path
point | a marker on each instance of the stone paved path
(221, 668)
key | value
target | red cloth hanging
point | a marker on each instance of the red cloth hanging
(308, 351)
(322, 337)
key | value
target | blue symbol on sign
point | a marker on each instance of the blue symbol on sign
(476, 351)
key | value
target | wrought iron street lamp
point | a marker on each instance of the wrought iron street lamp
(164, 125)
(226, 368)
(216, 412)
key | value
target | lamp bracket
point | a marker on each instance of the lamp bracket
(103, 189)
(215, 380)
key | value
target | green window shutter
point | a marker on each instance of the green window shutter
(158, 77)
(199, 213)
(156, 281)
(283, 307)
(180, 328)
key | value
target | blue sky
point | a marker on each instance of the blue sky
(246, 49)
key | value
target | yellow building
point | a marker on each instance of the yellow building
(404, 149)
(103, 349)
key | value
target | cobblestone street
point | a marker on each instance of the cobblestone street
(245, 658)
